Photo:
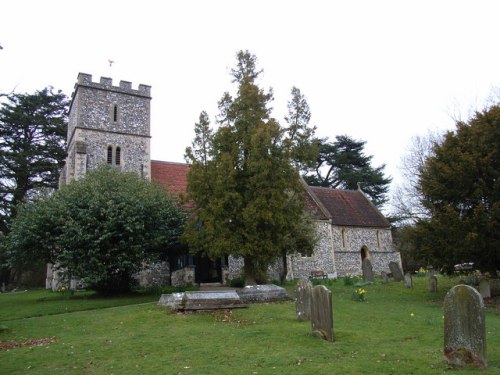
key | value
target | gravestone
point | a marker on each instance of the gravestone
(397, 274)
(385, 277)
(432, 284)
(464, 327)
(322, 313)
(366, 266)
(202, 300)
(263, 293)
(484, 288)
(408, 280)
(303, 291)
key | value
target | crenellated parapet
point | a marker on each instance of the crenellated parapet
(105, 83)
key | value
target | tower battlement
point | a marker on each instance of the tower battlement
(105, 83)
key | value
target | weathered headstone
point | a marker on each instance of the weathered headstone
(385, 277)
(432, 284)
(408, 280)
(303, 291)
(263, 293)
(464, 327)
(202, 300)
(484, 288)
(397, 274)
(322, 312)
(366, 266)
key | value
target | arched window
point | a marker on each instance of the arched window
(343, 238)
(118, 156)
(110, 155)
(115, 113)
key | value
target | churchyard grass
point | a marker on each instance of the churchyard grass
(396, 331)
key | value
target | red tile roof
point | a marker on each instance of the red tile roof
(343, 207)
(348, 207)
(171, 175)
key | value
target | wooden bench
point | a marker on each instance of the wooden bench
(318, 275)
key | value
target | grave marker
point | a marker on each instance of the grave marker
(484, 288)
(408, 280)
(432, 284)
(303, 291)
(366, 266)
(322, 313)
(385, 277)
(397, 274)
(464, 327)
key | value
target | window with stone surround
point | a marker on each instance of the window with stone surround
(110, 155)
(115, 113)
(118, 155)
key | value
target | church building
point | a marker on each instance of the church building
(111, 124)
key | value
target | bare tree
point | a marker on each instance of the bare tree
(407, 196)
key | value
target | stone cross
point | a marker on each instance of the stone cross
(432, 284)
(464, 327)
(408, 280)
(367, 270)
(303, 293)
(397, 274)
(484, 288)
(322, 313)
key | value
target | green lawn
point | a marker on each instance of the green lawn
(397, 331)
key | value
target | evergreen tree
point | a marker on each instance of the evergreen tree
(248, 199)
(343, 165)
(100, 228)
(32, 147)
(299, 137)
(461, 189)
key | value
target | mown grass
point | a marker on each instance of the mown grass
(397, 331)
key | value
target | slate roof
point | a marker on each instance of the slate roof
(347, 207)
(171, 175)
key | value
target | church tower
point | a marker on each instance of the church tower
(108, 125)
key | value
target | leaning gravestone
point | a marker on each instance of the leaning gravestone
(384, 277)
(464, 327)
(367, 271)
(408, 280)
(322, 313)
(484, 288)
(432, 284)
(397, 274)
(263, 293)
(303, 291)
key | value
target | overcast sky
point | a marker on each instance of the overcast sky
(378, 71)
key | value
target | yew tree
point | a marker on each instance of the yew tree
(461, 189)
(246, 192)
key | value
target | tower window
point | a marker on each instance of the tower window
(115, 113)
(110, 155)
(118, 156)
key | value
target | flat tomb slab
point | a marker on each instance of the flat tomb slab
(263, 293)
(202, 300)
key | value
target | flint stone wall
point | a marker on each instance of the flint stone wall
(155, 274)
(91, 126)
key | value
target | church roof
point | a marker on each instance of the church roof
(171, 175)
(343, 207)
(346, 207)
